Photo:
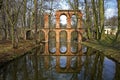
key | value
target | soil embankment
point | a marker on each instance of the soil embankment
(7, 53)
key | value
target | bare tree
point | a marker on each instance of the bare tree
(35, 19)
(95, 16)
(88, 21)
(12, 14)
(101, 18)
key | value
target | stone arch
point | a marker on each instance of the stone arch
(63, 22)
(74, 36)
(69, 13)
(73, 62)
(41, 35)
(73, 21)
(63, 41)
(52, 41)
(74, 40)
(80, 36)
(63, 62)
(28, 35)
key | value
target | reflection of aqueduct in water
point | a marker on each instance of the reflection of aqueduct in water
(46, 31)
(70, 64)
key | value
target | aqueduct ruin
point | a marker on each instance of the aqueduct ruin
(57, 30)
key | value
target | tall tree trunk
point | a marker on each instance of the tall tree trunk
(101, 14)
(1, 1)
(35, 18)
(118, 31)
(5, 34)
(24, 15)
(95, 16)
(4, 27)
(87, 22)
(24, 18)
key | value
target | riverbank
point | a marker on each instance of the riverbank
(7, 53)
(110, 51)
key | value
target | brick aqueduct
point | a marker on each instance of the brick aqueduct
(58, 29)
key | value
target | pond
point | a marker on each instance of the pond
(89, 65)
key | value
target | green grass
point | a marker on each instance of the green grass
(108, 41)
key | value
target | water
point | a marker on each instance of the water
(91, 65)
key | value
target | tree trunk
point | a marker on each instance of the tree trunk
(1, 1)
(118, 31)
(95, 16)
(24, 18)
(5, 34)
(101, 14)
(87, 22)
(35, 18)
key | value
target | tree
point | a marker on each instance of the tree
(35, 19)
(4, 24)
(1, 1)
(88, 21)
(12, 14)
(118, 31)
(95, 17)
(101, 18)
(98, 16)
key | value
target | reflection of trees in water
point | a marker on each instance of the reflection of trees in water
(37, 67)
(117, 73)
(93, 66)
(68, 64)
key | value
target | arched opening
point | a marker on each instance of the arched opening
(74, 40)
(42, 36)
(73, 62)
(63, 21)
(73, 21)
(52, 41)
(63, 61)
(42, 39)
(63, 41)
(28, 35)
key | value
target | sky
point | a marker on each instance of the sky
(110, 7)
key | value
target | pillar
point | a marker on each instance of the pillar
(68, 44)
(46, 62)
(58, 43)
(57, 62)
(68, 22)
(46, 43)
(68, 62)
(57, 20)
(79, 22)
(46, 21)
(79, 41)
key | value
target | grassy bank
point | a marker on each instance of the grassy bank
(7, 53)
(110, 50)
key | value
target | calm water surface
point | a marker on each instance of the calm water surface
(91, 65)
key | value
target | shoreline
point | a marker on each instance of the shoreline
(107, 51)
